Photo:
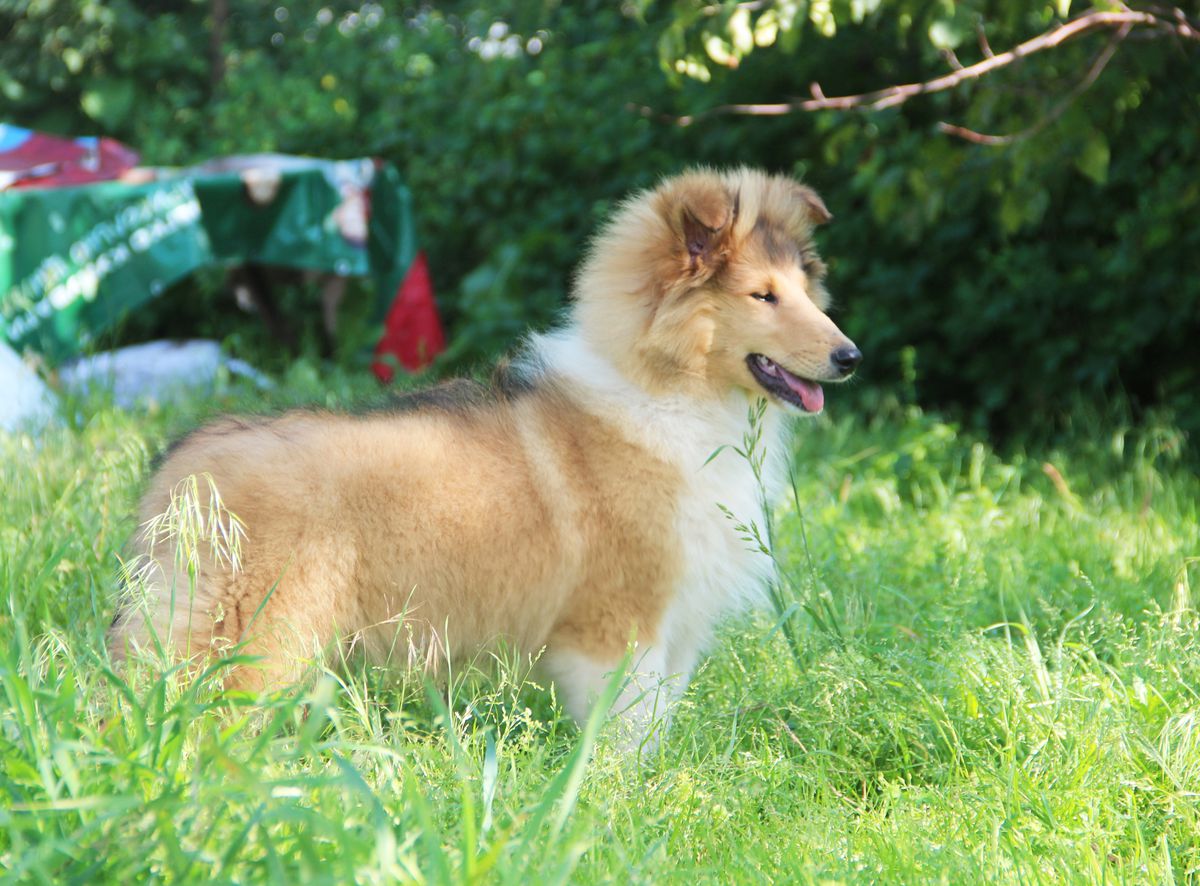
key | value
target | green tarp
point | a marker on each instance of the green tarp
(73, 260)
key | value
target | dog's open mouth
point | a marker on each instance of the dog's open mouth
(800, 392)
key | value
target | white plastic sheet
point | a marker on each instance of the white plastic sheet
(155, 371)
(26, 404)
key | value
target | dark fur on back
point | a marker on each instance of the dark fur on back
(228, 425)
(508, 382)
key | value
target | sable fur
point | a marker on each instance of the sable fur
(568, 507)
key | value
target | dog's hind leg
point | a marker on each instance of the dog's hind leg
(285, 632)
(210, 619)
(157, 620)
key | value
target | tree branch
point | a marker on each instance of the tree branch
(985, 48)
(1099, 63)
(1172, 21)
(216, 42)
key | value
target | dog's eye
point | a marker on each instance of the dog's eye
(768, 297)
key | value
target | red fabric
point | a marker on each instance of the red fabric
(412, 331)
(29, 150)
(35, 160)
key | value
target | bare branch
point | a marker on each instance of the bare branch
(216, 42)
(951, 59)
(984, 47)
(1184, 26)
(717, 8)
(894, 95)
(1099, 63)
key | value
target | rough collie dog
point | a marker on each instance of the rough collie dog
(571, 507)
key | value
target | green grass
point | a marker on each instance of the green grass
(993, 678)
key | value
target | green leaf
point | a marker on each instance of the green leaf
(720, 51)
(109, 101)
(821, 15)
(740, 32)
(73, 59)
(1012, 211)
(1093, 158)
(860, 9)
(766, 29)
(11, 89)
(694, 67)
(946, 34)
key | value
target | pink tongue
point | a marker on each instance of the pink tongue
(810, 392)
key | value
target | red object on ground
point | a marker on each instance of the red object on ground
(412, 331)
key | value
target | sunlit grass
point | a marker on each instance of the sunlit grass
(994, 678)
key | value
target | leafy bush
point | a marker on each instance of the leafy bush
(1021, 275)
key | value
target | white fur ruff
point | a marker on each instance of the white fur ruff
(724, 572)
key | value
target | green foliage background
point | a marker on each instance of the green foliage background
(1018, 278)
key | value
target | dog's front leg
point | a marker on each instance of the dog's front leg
(642, 711)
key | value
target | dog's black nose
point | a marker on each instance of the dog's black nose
(845, 360)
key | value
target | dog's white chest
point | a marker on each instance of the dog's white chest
(723, 536)
(723, 532)
(720, 521)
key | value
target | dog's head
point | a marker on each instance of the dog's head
(711, 283)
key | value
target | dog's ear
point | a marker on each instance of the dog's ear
(702, 213)
(698, 238)
(812, 204)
